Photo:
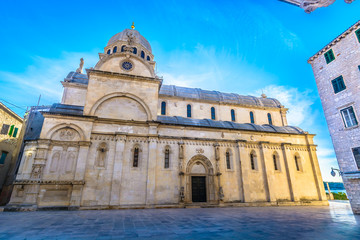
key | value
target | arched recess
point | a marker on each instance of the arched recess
(200, 166)
(121, 95)
(52, 133)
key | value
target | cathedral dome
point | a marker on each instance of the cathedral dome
(123, 36)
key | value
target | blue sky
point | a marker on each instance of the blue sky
(246, 47)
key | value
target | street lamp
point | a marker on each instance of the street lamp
(333, 173)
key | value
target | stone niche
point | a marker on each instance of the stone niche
(121, 108)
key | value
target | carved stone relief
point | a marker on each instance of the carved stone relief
(101, 155)
(66, 134)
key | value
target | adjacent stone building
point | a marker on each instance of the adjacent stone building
(10, 127)
(121, 138)
(337, 73)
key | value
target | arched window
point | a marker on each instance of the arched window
(123, 48)
(296, 158)
(148, 58)
(188, 110)
(115, 49)
(252, 161)
(142, 54)
(212, 113)
(163, 108)
(269, 118)
(232, 115)
(228, 166)
(167, 158)
(276, 161)
(136, 157)
(101, 155)
(252, 120)
(108, 51)
(134, 50)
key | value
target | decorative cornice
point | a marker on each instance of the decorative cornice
(48, 182)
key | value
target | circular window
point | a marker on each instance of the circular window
(127, 65)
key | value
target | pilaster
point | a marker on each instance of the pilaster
(117, 171)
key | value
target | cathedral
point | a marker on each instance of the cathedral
(122, 138)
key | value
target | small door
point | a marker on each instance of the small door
(198, 187)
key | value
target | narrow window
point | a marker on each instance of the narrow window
(163, 108)
(11, 130)
(167, 158)
(269, 118)
(148, 58)
(142, 54)
(228, 160)
(356, 152)
(252, 161)
(136, 157)
(297, 163)
(123, 48)
(115, 49)
(357, 32)
(3, 157)
(338, 84)
(15, 132)
(5, 129)
(188, 111)
(109, 51)
(329, 56)
(275, 162)
(252, 120)
(349, 117)
(134, 50)
(212, 113)
(233, 115)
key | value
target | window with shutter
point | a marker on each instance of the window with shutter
(338, 84)
(5, 129)
(329, 56)
(349, 117)
(357, 32)
(3, 157)
(15, 132)
(356, 152)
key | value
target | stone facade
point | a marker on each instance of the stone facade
(346, 62)
(8, 144)
(122, 139)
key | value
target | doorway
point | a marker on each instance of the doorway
(198, 187)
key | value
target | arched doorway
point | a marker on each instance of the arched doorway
(199, 179)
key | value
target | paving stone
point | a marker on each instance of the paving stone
(333, 222)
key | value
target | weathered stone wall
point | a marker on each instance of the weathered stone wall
(7, 143)
(346, 64)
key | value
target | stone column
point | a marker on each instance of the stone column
(316, 170)
(242, 153)
(79, 177)
(117, 171)
(283, 115)
(218, 172)
(263, 151)
(287, 155)
(181, 171)
(151, 171)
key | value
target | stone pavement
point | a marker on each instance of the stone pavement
(333, 222)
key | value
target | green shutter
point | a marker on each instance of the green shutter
(329, 56)
(358, 34)
(15, 132)
(3, 157)
(11, 130)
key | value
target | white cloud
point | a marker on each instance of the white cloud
(42, 77)
(301, 113)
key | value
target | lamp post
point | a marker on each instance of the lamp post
(333, 173)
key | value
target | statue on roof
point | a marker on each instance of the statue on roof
(81, 65)
(131, 38)
(311, 5)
